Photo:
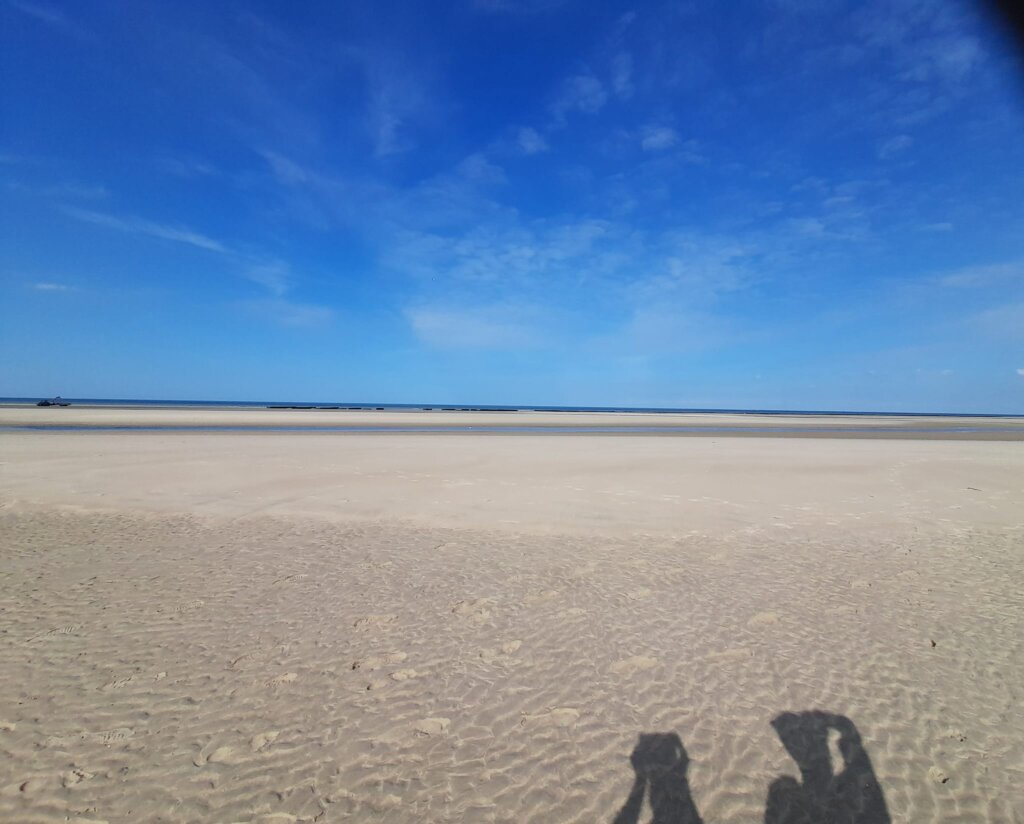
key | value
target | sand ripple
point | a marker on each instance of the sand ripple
(158, 668)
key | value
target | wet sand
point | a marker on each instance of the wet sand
(719, 424)
(279, 627)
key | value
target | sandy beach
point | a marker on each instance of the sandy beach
(410, 626)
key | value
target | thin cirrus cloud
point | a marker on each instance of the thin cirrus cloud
(137, 225)
(50, 15)
(273, 275)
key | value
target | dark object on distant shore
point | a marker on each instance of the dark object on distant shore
(57, 401)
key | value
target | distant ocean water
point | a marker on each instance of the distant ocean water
(135, 403)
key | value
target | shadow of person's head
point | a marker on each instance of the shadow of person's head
(657, 754)
(660, 762)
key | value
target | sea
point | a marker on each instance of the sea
(139, 403)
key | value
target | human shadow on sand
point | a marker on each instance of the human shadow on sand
(841, 793)
(847, 793)
(660, 761)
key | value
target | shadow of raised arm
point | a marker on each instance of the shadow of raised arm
(847, 794)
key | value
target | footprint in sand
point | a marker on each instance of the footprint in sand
(378, 661)
(404, 675)
(56, 632)
(378, 620)
(476, 611)
(262, 740)
(117, 683)
(432, 726)
(541, 597)
(74, 776)
(639, 594)
(189, 606)
(584, 571)
(106, 737)
(634, 664)
(501, 654)
(110, 737)
(217, 755)
(572, 612)
(286, 678)
(763, 619)
(242, 660)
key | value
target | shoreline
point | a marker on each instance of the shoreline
(225, 420)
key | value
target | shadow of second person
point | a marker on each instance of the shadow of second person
(846, 792)
(659, 763)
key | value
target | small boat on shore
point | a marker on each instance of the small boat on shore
(56, 401)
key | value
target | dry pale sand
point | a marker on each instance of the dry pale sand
(296, 627)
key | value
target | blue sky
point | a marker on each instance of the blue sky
(758, 204)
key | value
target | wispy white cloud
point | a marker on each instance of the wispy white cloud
(273, 275)
(137, 225)
(1001, 322)
(479, 326)
(518, 6)
(507, 254)
(985, 275)
(807, 226)
(530, 141)
(60, 190)
(1021, 372)
(45, 13)
(667, 329)
(400, 104)
(581, 93)
(622, 75)
(186, 167)
(657, 138)
(49, 286)
(290, 313)
(287, 171)
(894, 146)
(477, 168)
